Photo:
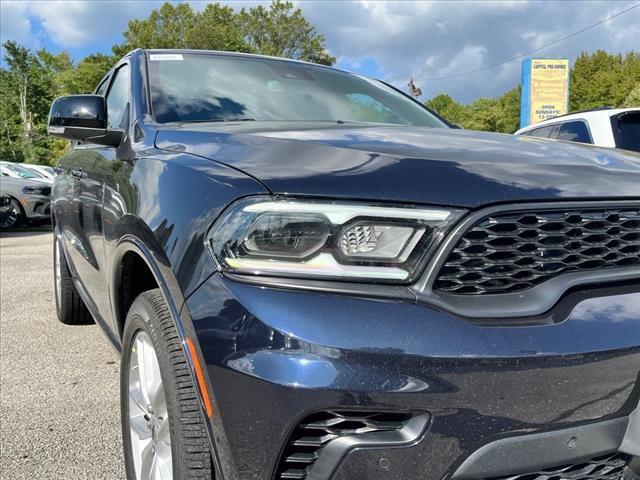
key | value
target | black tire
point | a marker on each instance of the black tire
(15, 218)
(191, 458)
(70, 308)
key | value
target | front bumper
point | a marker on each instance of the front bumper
(275, 356)
(36, 207)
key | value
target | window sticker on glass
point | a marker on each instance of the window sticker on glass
(275, 86)
(165, 56)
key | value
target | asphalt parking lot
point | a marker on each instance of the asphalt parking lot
(59, 403)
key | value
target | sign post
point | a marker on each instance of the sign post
(545, 89)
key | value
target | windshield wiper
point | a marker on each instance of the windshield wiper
(226, 119)
(234, 119)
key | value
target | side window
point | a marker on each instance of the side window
(627, 131)
(574, 132)
(102, 89)
(118, 98)
(542, 132)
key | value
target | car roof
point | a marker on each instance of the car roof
(223, 53)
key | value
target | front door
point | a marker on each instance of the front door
(85, 171)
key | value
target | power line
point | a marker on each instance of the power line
(526, 54)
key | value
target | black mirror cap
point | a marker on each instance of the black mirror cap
(82, 118)
(84, 111)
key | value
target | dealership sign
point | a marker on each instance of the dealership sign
(545, 89)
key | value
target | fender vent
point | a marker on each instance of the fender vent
(315, 432)
(607, 467)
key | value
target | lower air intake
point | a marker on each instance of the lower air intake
(316, 433)
(607, 467)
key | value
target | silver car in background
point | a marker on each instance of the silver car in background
(45, 170)
(25, 171)
(30, 200)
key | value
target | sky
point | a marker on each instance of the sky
(393, 41)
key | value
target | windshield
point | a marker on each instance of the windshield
(21, 171)
(207, 87)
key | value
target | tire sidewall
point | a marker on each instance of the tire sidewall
(57, 255)
(141, 318)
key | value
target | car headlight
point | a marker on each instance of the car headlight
(327, 240)
(33, 190)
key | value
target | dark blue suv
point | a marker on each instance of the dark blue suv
(311, 276)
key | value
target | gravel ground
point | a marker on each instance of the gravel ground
(59, 401)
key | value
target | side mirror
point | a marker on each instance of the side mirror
(83, 118)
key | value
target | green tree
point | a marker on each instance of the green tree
(85, 76)
(633, 99)
(508, 111)
(27, 89)
(483, 114)
(11, 127)
(448, 108)
(282, 31)
(217, 28)
(603, 79)
(166, 27)
(279, 30)
(501, 114)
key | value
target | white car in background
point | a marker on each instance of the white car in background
(23, 170)
(605, 127)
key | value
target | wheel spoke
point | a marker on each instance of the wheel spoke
(150, 378)
(148, 462)
(137, 400)
(163, 460)
(142, 348)
(158, 402)
(162, 431)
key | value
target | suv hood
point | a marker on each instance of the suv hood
(410, 164)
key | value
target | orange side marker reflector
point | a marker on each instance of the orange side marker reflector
(203, 387)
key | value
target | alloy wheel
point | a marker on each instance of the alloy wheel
(148, 418)
(57, 270)
(12, 218)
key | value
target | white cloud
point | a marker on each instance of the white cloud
(74, 24)
(430, 40)
(15, 24)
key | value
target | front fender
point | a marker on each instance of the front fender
(148, 250)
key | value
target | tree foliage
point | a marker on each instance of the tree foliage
(27, 87)
(279, 30)
(602, 79)
(633, 99)
(282, 31)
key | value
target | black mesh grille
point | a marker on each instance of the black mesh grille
(608, 467)
(316, 431)
(46, 191)
(515, 251)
